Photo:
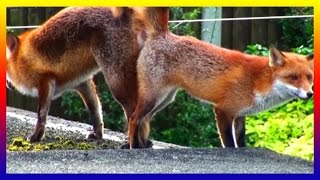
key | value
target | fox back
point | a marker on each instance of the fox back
(54, 49)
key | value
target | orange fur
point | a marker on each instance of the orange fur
(236, 84)
(69, 49)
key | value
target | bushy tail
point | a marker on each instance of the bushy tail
(158, 18)
(121, 11)
(152, 19)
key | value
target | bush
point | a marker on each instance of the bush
(297, 32)
(113, 115)
(178, 13)
(287, 129)
(187, 122)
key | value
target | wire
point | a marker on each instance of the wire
(22, 27)
(204, 20)
(243, 18)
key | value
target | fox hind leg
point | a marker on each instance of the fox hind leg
(88, 93)
(144, 127)
(143, 109)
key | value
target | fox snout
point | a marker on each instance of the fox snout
(310, 94)
(302, 94)
(305, 92)
(307, 95)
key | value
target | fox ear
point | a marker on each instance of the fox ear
(310, 60)
(310, 57)
(276, 57)
(12, 42)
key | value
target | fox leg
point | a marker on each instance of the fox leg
(239, 131)
(143, 131)
(141, 137)
(123, 85)
(88, 93)
(224, 127)
(143, 109)
(124, 90)
(46, 90)
(144, 126)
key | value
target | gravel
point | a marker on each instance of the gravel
(164, 158)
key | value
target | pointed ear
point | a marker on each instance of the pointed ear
(276, 57)
(310, 60)
(310, 57)
(12, 42)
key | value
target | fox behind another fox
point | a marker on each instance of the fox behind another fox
(66, 51)
(236, 84)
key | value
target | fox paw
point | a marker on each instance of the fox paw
(94, 136)
(125, 146)
(36, 137)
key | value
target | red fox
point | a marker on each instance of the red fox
(68, 50)
(235, 83)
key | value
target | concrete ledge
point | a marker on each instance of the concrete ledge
(21, 122)
(215, 160)
(165, 158)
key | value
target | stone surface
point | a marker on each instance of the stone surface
(165, 158)
(191, 160)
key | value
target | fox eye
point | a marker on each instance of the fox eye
(293, 77)
(309, 77)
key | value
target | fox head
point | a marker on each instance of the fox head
(292, 73)
(15, 66)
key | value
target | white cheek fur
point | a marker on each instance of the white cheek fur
(279, 94)
(287, 88)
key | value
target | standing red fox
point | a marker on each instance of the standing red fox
(236, 84)
(67, 50)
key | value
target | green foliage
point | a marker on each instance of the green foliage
(187, 122)
(287, 129)
(179, 13)
(297, 32)
(75, 106)
(302, 50)
(257, 49)
(113, 115)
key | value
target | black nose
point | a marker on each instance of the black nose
(309, 94)
(9, 85)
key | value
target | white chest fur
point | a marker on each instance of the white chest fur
(278, 95)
